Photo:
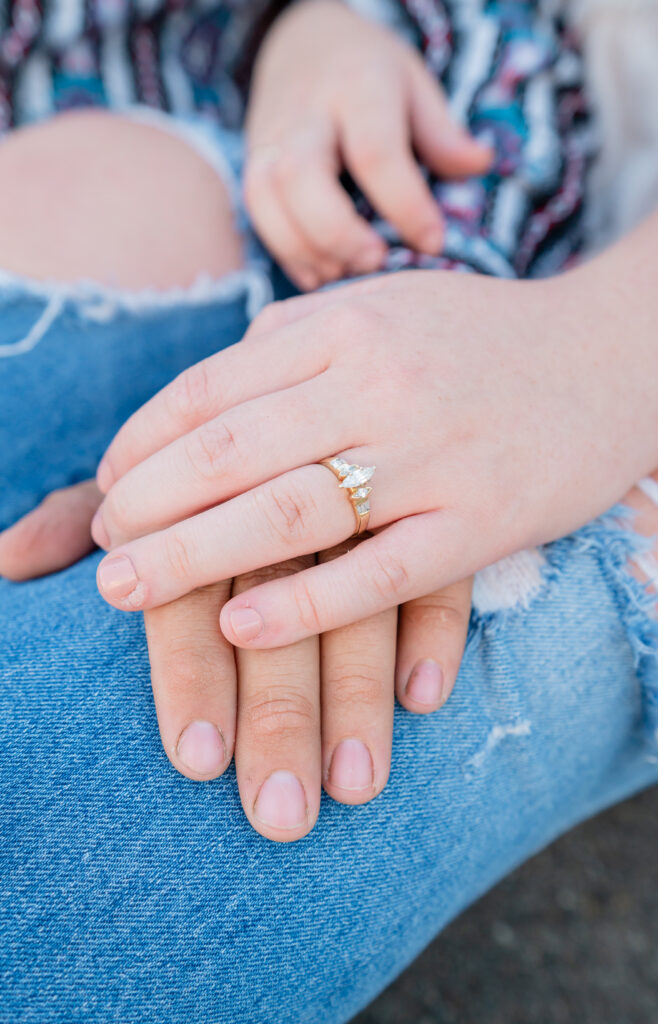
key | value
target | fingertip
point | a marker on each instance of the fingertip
(201, 753)
(98, 531)
(104, 475)
(431, 239)
(425, 689)
(12, 562)
(119, 584)
(281, 811)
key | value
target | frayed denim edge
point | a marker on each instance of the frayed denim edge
(100, 303)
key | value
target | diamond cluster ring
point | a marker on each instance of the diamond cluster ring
(354, 479)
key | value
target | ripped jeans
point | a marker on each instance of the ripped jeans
(130, 893)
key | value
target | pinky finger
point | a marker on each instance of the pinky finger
(431, 639)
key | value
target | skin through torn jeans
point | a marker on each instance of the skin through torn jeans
(130, 893)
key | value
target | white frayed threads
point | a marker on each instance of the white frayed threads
(37, 331)
(498, 733)
(510, 583)
(99, 304)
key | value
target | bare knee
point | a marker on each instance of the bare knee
(97, 196)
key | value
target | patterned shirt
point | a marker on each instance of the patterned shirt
(510, 67)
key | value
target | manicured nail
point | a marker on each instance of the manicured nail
(308, 280)
(117, 577)
(246, 623)
(281, 802)
(351, 766)
(201, 747)
(104, 477)
(425, 684)
(369, 259)
(432, 240)
(98, 531)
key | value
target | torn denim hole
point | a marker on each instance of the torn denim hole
(511, 583)
(508, 589)
(100, 304)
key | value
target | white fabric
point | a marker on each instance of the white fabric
(620, 40)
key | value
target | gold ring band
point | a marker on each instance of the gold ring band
(355, 480)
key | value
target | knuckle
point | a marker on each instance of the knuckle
(288, 511)
(280, 714)
(211, 448)
(177, 555)
(190, 394)
(389, 577)
(188, 670)
(354, 684)
(308, 611)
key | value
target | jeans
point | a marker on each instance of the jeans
(131, 894)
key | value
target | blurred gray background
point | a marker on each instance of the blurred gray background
(570, 938)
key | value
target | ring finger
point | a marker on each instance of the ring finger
(297, 513)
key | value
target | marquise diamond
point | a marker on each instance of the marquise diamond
(357, 475)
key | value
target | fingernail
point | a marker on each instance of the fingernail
(104, 477)
(117, 577)
(351, 766)
(98, 531)
(425, 684)
(369, 259)
(432, 240)
(201, 747)
(308, 280)
(281, 802)
(246, 623)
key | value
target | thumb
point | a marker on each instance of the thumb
(51, 537)
(441, 143)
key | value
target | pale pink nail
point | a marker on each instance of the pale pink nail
(351, 766)
(117, 577)
(369, 259)
(425, 684)
(98, 531)
(246, 623)
(201, 748)
(281, 802)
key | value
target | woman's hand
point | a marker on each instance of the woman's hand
(331, 92)
(315, 713)
(499, 415)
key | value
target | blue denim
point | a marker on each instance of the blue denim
(131, 894)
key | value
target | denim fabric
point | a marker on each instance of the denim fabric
(131, 894)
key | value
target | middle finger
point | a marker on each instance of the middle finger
(277, 753)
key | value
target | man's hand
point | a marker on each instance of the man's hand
(316, 713)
